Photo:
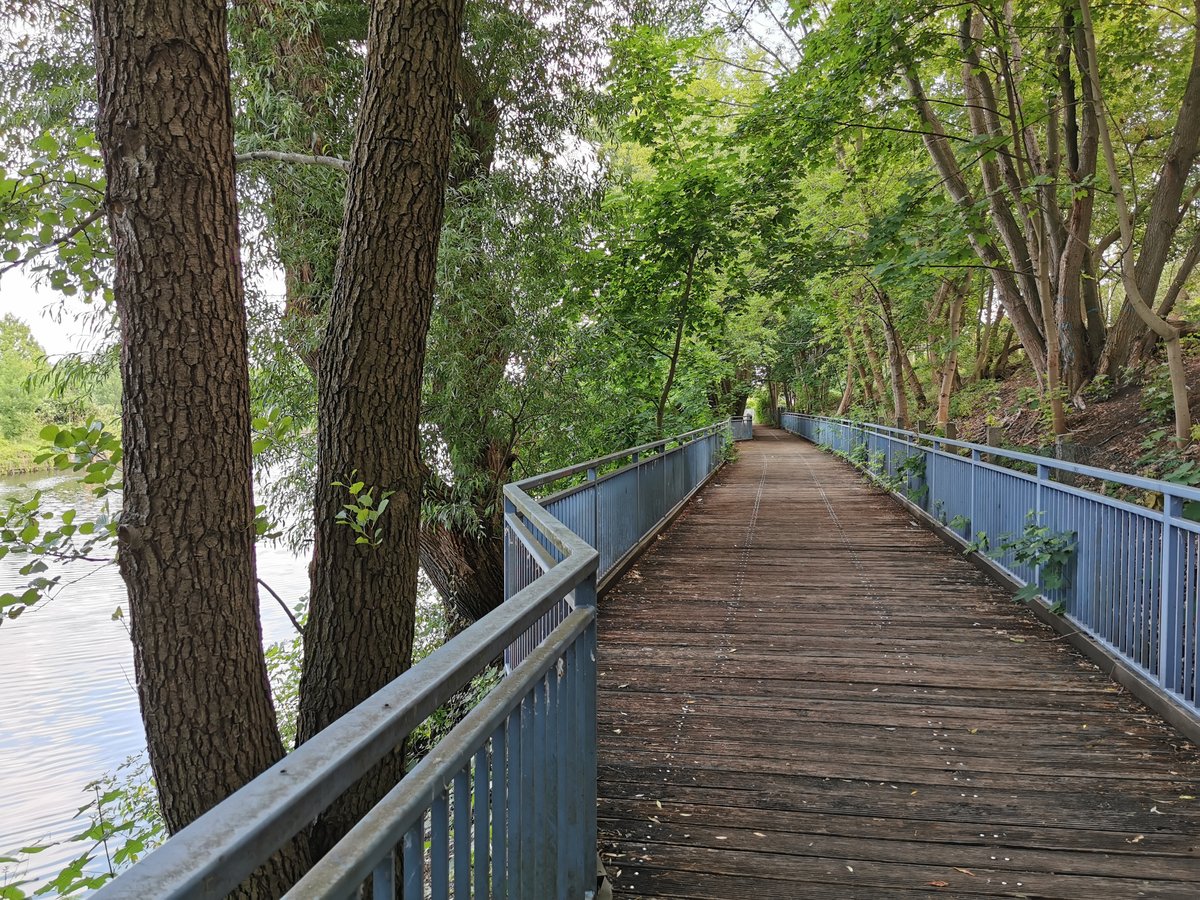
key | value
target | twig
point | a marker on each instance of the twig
(58, 241)
(291, 615)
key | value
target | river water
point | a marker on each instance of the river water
(68, 706)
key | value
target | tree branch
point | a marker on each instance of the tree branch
(302, 159)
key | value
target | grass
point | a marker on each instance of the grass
(16, 456)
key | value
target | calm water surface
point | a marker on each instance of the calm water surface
(68, 706)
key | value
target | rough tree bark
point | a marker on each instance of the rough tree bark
(186, 537)
(363, 602)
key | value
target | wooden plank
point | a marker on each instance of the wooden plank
(804, 694)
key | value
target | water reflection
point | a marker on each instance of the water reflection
(68, 706)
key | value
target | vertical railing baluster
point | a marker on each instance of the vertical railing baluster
(972, 525)
(482, 822)
(573, 756)
(1169, 614)
(462, 833)
(414, 861)
(500, 819)
(586, 593)
(529, 825)
(383, 879)
(516, 788)
(439, 848)
(542, 827)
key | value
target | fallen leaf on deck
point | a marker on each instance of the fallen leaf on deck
(964, 871)
(939, 883)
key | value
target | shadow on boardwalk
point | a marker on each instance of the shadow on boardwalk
(805, 694)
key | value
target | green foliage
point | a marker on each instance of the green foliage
(979, 543)
(363, 510)
(124, 824)
(94, 454)
(1049, 551)
(1157, 398)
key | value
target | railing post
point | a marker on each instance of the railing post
(1169, 617)
(930, 473)
(585, 595)
(637, 489)
(1039, 504)
(976, 458)
(595, 488)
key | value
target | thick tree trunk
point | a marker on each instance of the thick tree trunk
(466, 568)
(186, 536)
(360, 629)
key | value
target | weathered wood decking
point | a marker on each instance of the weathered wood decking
(804, 694)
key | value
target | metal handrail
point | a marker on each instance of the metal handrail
(536, 481)
(1132, 584)
(1124, 478)
(480, 768)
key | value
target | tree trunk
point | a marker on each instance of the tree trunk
(684, 302)
(1134, 295)
(1000, 372)
(983, 347)
(914, 383)
(1024, 315)
(950, 368)
(363, 601)
(1164, 216)
(895, 362)
(848, 394)
(876, 365)
(186, 537)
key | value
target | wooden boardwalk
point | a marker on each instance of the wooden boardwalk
(804, 694)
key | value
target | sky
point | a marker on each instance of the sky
(33, 305)
(61, 324)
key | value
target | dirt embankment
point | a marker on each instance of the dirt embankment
(1115, 428)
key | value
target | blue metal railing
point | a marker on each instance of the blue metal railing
(505, 805)
(1133, 583)
(616, 510)
(742, 427)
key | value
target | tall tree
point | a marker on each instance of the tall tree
(186, 538)
(364, 577)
